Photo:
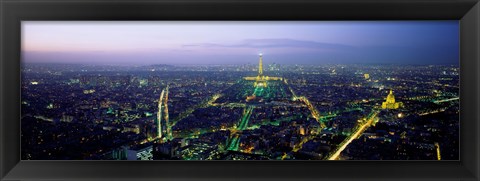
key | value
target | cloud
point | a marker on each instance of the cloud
(275, 43)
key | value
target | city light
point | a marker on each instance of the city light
(399, 115)
(233, 113)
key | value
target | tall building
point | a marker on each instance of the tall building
(260, 80)
(390, 102)
(260, 66)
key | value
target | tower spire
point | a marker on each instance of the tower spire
(260, 66)
(260, 80)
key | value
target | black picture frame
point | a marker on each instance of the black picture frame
(12, 12)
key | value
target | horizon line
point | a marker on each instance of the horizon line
(210, 64)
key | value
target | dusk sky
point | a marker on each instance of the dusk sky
(240, 42)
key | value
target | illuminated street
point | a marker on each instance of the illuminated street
(358, 131)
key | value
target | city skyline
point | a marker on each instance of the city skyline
(309, 42)
(324, 90)
(342, 113)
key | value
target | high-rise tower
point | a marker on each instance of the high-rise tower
(260, 66)
(260, 81)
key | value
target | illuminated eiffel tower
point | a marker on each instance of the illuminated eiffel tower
(261, 79)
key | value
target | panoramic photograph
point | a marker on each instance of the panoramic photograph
(240, 90)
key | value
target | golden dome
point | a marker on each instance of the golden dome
(390, 97)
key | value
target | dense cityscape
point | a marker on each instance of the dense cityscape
(261, 111)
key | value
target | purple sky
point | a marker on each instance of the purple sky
(188, 42)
